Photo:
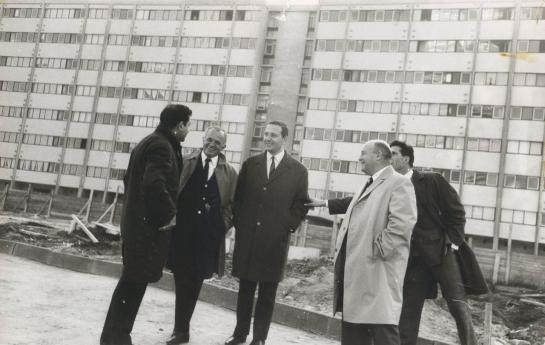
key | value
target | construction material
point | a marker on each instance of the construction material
(487, 324)
(532, 302)
(83, 227)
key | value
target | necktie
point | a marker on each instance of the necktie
(273, 167)
(369, 182)
(206, 167)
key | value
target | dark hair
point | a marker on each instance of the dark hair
(282, 125)
(406, 150)
(173, 114)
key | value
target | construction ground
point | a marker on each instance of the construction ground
(518, 312)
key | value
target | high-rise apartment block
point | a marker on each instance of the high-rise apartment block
(462, 81)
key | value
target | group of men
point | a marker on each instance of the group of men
(392, 249)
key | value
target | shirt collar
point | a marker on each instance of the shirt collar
(277, 157)
(409, 174)
(377, 174)
(213, 160)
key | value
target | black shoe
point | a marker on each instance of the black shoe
(257, 342)
(234, 340)
(178, 338)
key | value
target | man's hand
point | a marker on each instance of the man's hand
(454, 247)
(315, 203)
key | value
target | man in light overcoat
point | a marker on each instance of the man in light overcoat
(372, 250)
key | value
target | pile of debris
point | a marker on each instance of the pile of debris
(86, 240)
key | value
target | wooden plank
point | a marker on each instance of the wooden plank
(488, 324)
(84, 228)
(495, 272)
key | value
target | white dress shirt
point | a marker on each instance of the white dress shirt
(277, 158)
(211, 166)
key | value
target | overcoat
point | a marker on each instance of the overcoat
(377, 227)
(266, 211)
(151, 183)
(226, 177)
(441, 221)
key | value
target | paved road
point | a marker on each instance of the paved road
(45, 305)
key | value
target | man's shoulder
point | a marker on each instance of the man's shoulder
(295, 163)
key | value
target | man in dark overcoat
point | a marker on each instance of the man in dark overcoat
(149, 210)
(197, 251)
(271, 191)
(437, 237)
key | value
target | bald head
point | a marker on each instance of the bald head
(375, 155)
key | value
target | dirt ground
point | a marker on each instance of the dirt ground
(518, 312)
(44, 305)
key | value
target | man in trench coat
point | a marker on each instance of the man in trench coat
(438, 238)
(149, 209)
(269, 205)
(197, 250)
(372, 250)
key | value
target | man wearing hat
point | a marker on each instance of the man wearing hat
(149, 213)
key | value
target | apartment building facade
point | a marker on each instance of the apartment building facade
(463, 82)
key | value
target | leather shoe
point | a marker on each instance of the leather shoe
(257, 342)
(235, 340)
(178, 338)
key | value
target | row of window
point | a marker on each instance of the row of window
(9, 137)
(43, 140)
(421, 46)
(519, 217)
(529, 79)
(137, 40)
(418, 77)
(422, 140)
(480, 178)
(38, 166)
(455, 14)
(221, 15)
(134, 66)
(218, 42)
(228, 127)
(15, 61)
(480, 212)
(421, 77)
(131, 93)
(488, 178)
(167, 15)
(350, 136)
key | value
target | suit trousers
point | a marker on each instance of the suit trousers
(369, 334)
(124, 306)
(418, 279)
(187, 293)
(263, 309)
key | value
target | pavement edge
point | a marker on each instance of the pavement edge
(284, 314)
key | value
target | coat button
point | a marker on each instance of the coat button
(204, 198)
(206, 186)
(264, 188)
(199, 212)
(258, 223)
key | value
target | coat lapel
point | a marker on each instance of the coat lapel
(189, 166)
(380, 179)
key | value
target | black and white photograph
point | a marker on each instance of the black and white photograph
(280, 172)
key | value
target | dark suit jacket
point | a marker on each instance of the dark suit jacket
(441, 217)
(150, 184)
(441, 221)
(265, 212)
